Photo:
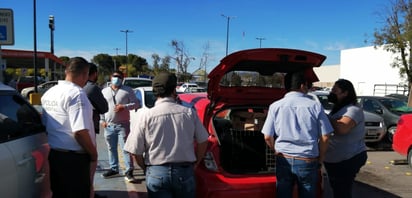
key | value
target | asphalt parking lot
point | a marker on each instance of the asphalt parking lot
(117, 186)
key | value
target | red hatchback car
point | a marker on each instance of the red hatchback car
(402, 139)
(238, 163)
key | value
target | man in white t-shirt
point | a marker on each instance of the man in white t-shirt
(67, 115)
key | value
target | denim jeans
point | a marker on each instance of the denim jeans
(341, 175)
(290, 171)
(170, 181)
(116, 134)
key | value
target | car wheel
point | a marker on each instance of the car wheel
(390, 133)
(410, 158)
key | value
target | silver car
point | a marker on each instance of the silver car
(41, 89)
(23, 147)
(374, 124)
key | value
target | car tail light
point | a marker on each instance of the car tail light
(210, 162)
(39, 160)
(41, 163)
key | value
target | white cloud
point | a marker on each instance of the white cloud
(88, 55)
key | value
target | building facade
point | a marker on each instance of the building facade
(369, 70)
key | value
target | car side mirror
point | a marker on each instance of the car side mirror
(379, 111)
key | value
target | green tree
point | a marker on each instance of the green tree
(105, 66)
(396, 36)
(156, 59)
(64, 59)
(160, 64)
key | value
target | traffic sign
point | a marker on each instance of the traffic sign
(6, 27)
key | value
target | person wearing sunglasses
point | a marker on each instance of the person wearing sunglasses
(116, 123)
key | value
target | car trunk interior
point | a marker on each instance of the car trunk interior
(242, 146)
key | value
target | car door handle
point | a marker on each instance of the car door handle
(24, 161)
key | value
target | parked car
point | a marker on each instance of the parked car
(375, 129)
(399, 96)
(41, 89)
(146, 99)
(184, 86)
(388, 107)
(27, 81)
(145, 96)
(238, 163)
(24, 149)
(135, 82)
(402, 139)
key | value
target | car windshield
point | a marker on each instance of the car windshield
(252, 79)
(396, 105)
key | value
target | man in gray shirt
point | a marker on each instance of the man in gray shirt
(116, 123)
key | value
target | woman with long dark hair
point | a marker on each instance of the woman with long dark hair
(346, 152)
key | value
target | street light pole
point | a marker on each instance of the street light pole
(35, 44)
(260, 41)
(117, 54)
(127, 57)
(227, 31)
(51, 26)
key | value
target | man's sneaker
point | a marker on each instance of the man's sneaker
(129, 176)
(110, 173)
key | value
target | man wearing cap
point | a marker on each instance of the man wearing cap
(116, 123)
(163, 142)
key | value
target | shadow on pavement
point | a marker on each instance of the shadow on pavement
(363, 190)
(122, 194)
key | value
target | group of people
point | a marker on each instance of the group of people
(301, 134)
(304, 137)
(75, 109)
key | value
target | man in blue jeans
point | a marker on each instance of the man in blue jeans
(298, 130)
(166, 134)
(116, 122)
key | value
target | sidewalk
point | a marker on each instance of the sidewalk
(116, 187)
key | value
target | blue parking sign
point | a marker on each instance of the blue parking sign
(3, 32)
(6, 27)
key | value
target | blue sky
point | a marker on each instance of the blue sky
(90, 27)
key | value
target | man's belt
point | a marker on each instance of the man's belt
(308, 159)
(68, 151)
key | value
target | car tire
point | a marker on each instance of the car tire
(410, 158)
(390, 133)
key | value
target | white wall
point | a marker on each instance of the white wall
(368, 66)
(327, 75)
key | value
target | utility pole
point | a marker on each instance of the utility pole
(127, 57)
(260, 41)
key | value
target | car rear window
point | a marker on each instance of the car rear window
(252, 79)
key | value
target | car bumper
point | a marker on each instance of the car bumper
(374, 134)
(216, 185)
